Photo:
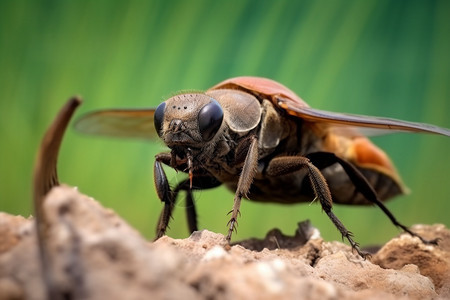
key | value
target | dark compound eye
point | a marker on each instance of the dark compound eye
(210, 119)
(159, 117)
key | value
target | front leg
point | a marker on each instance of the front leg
(244, 183)
(165, 194)
(200, 181)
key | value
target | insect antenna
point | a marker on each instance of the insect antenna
(313, 200)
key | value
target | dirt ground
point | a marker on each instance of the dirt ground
(89, 252)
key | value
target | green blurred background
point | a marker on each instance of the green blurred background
(378, 57)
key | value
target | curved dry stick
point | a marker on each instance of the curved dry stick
(45, 177)
(45, 174)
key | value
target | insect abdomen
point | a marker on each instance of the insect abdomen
(344, 191)
(372, 162)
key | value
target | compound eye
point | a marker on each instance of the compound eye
(210, 119)
(158, 117)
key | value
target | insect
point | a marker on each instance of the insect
(266, 144)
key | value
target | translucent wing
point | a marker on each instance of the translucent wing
(382, 125)
(132, 123)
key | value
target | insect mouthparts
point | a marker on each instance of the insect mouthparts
(190, 166)
(176, 125)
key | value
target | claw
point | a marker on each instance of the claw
(423, 240)
(433, 242)
(232, 228)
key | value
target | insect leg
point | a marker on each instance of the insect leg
(244, 183)
(191, 212)
(166, 213)
(199, 182)
(289, 164)
(169, 197)
(166, 196)
(325, 159)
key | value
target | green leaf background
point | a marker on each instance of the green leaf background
(375, 57)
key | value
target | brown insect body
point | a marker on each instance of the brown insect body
(266, 144)
(280, 134)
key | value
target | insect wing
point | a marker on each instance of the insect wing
(132, 123)
(383, 125)
(294, 105)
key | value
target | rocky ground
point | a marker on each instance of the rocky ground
(89, 252)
